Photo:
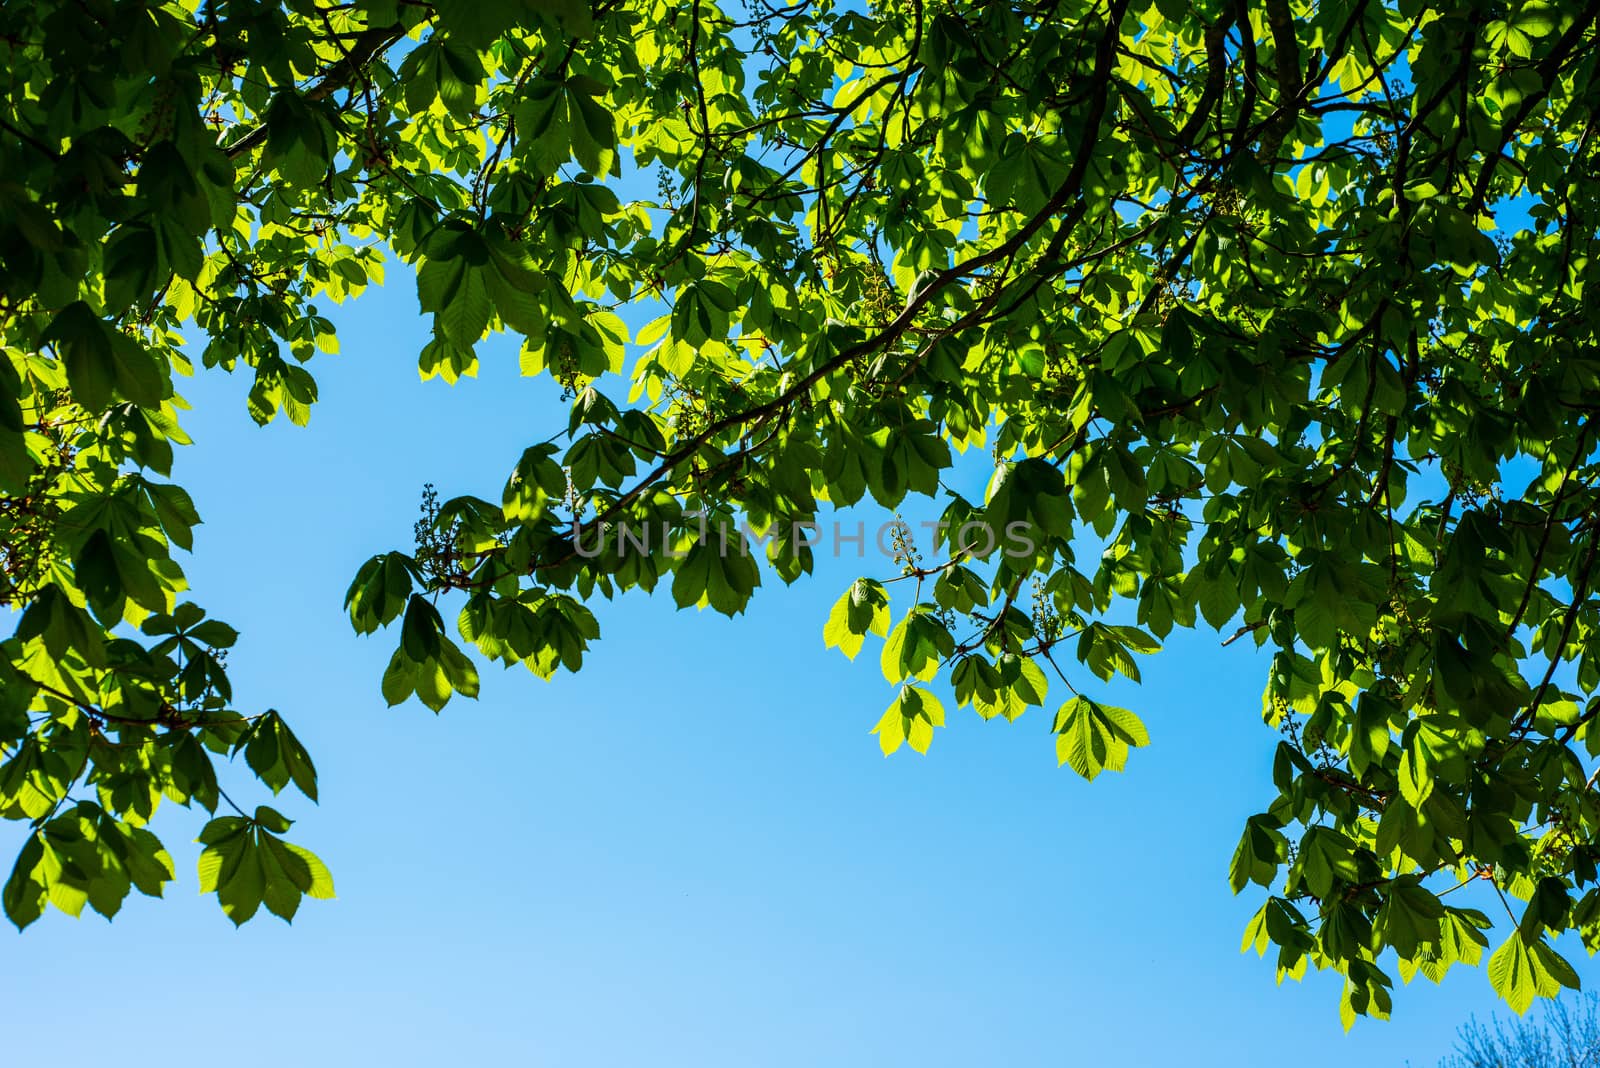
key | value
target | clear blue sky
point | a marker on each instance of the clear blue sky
(690, 854)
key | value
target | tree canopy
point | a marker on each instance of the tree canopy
(1270, 318)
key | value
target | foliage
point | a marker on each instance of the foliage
(1272, 318)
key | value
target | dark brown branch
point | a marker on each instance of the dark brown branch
(1065, 194)
(367, 47)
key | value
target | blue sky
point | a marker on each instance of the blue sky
(690, 854)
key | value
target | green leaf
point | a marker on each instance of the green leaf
(1092, 737)
(457, 293)
(911, 718)
(99, 360)
(1409, 919)
(863, 609)
(718, 571)
(1521, 970)
(1261, 851)
(915, 647)
(24, 895)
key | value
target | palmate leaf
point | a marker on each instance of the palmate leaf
(1409, 919)
(863, 610)
(1093, 737)
(1008, 689)
(915, 647)
(445, 71)
(457, 292)
(1261, 851)
(247, 865)
(1521, 970)
(84, 856)
(717, 570)
(910, 719)
(1461, 940)
(99, 361)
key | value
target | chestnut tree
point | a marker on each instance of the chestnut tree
(1271, 318)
